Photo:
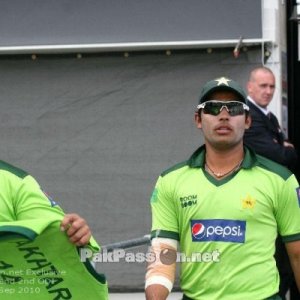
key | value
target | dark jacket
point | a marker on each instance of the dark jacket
(266, 138)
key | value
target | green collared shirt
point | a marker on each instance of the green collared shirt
(227, 228)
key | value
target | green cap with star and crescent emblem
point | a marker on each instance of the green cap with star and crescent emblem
(222, 84)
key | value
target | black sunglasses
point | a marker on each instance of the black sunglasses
(214, 107)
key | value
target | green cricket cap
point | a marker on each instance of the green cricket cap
(222, 84)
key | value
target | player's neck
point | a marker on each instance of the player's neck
(223, 160)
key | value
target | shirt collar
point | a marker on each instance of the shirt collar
(264, 110)
(197, 160)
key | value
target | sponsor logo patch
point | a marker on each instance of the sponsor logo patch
(187, 201)
(154, 196)
(218, 230)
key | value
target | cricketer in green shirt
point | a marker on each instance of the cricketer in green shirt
(37, 260)
(227, 228)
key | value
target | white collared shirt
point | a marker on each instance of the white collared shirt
(266, 111)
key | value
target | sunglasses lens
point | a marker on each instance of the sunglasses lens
(233, 108)
(212, 108)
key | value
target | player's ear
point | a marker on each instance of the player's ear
(198, 119)
(248, 121)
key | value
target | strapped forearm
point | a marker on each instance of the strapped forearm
(162, 270)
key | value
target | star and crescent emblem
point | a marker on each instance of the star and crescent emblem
(248, 202)
(222, 80)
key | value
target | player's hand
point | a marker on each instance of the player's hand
(76, 228)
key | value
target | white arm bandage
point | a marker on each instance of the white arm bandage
(162, 269)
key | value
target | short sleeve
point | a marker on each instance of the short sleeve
(288, 210)
(164, 218)
(31, 202)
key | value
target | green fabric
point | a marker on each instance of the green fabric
(31, 240)
(21, 198)
(47, 267)
(25, 206)
(245, 211)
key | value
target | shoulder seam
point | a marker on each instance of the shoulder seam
(273, 167)
(174, 168)
(12, 169)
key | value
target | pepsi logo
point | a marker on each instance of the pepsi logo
(198, 230)
(218, 230)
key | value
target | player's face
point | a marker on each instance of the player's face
(261, 87)
(222, 131)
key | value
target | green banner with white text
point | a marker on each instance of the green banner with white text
(47, 267)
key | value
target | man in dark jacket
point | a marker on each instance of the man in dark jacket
(266, 138)
(265, 135)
